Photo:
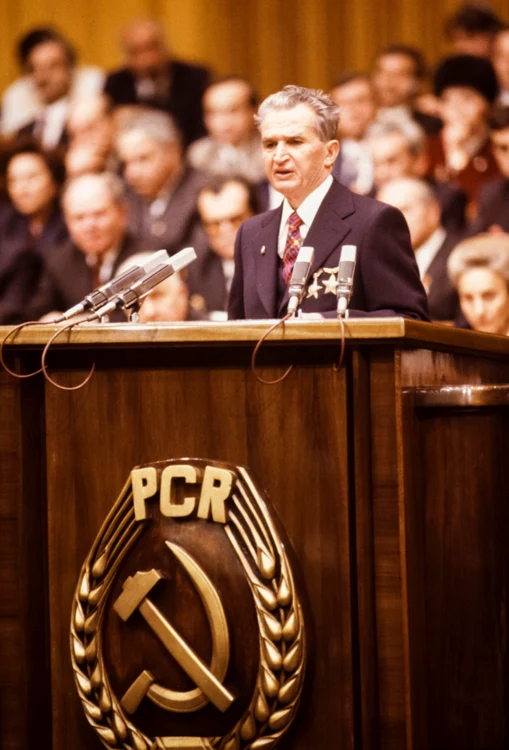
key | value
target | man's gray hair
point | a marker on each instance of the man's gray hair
(112, 182)
(158, 126)
(412, 133)
(490, 251)
(402, 186)
(326, 112)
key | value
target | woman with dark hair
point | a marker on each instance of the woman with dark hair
(31, 226)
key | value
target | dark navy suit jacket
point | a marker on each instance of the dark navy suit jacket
(386, 280)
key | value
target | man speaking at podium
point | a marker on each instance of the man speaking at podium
(299, 138)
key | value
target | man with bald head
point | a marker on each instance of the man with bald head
(95, 212)
(232, 146)
(163, 189)
(431, 243)
(152, 77)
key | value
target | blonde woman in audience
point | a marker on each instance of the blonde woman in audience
(479, 269)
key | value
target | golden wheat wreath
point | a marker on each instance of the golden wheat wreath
(282, 637)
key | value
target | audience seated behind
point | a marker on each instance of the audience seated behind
(500, 59)
(21, 102)
(461, 154)
(471, 29)
(152, 77)
(162, 189)
(232, 146)
(355, 96)
(493, 213)
(479, 269)
(431, 242)
(223, 204)
(398, 149)
(398, 74)
(95, 211)
(168, 302)
(50, 64)
(31, 224)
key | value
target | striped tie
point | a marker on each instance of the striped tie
(293, 245)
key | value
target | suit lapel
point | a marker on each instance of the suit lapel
(266, 262)
(328, 229)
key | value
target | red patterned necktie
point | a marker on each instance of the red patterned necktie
(293, 245)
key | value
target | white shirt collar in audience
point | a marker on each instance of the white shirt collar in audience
(54, 121)
(307, 212)
(503, 98)
(107, 264)
(425, 254)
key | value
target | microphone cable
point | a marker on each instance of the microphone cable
(267, 333)
(44, 367)
(13, 332)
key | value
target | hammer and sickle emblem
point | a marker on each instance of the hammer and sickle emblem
(208, 680)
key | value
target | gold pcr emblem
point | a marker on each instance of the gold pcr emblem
(187, 627)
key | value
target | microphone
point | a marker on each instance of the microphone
(300, 275)
(134, 294)
(346, 270)
(104, 293)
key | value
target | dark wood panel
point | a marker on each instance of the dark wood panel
(292, 436)
(387, 553)
(466, 497)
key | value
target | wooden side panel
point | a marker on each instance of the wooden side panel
(465, 492)
(293, 437)
(25, 707)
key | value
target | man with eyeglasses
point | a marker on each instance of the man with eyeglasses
(493, 214)
(223, 204)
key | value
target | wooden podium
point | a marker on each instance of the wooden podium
(389, 476)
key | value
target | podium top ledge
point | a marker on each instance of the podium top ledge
(404, 331)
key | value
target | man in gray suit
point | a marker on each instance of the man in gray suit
(162, 189)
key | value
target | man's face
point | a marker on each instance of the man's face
(167, 302)
(464, 105)
(296, 160)
(392, 158)
(144, 50)
(477, 43)
(50, 70)
(394, 80)
(484, 300)
(500, 146)
(500, 59)
(95, 221)
(149, 165)
(422, 215)
(30, 184)
(229, 117)
(222, 214)
(357, 108)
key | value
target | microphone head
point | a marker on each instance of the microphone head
(306, 255)
(156, 259)
(348, 253)
(183, 258)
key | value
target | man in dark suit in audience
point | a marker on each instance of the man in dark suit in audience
(431, 243)
(398, 74)
(299, 138)
(151, 77)
(95, 211)
(223, 204)
(398, 149)
(493, 213)
(163, 190)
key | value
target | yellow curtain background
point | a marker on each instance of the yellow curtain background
(271, 42)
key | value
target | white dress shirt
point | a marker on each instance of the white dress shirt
(425, 254)
(307, 212)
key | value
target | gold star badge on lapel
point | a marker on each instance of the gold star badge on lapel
(331, 284)
(315, 287)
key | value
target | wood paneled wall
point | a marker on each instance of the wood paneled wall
(272, 42)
